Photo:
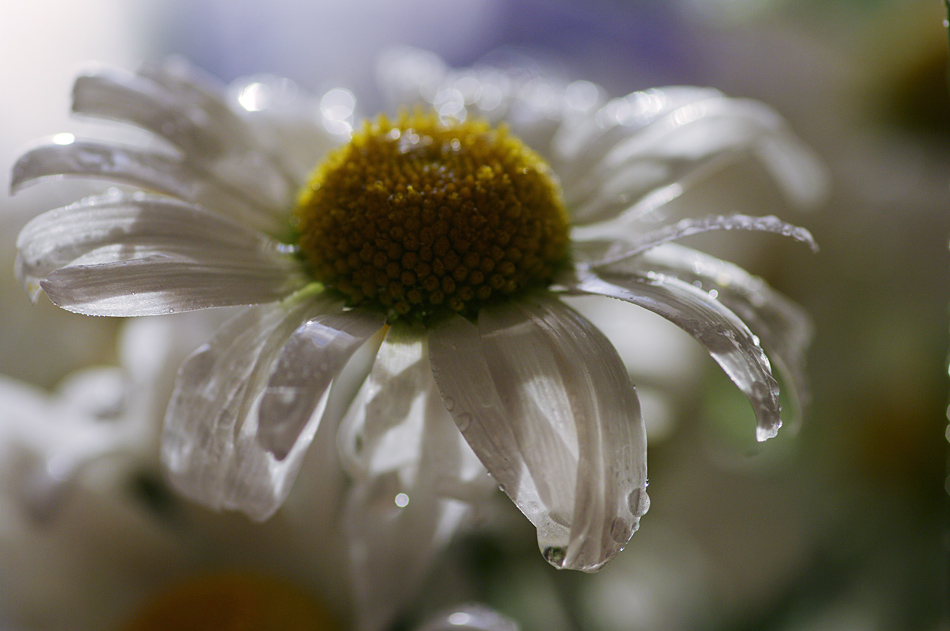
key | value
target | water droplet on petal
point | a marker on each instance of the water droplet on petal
(555, 556)
(639, 502)
(621, 530)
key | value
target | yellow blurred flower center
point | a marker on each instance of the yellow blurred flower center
(419, 215)
(232, 602)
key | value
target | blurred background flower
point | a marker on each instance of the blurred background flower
(839, 525)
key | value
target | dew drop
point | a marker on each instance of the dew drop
(555, 556)
(621, 530)
(639, 502)
(463, 420)
(449, 403)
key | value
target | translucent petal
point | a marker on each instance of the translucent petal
(651, 140)
(197, 90)
(783, 328)
(209, 135)
(145, 255)
(399, 422)
(291, 126)
(280, 133)
(141, 102)
(546, 404)
(211, 444)
(728, 340)
(620, 118)
(313, 356)
(393, 538)
(142, 168)
(602, 251)
(519, 92)
(415, 476)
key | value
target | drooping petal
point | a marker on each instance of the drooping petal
(726, 337)
(399, 422)
(651, 141)
(783, 328)
(312, 357)
(393, 538)
(141, 102)
(546, 404)
(212, 445)
(143, 168)
(603, 251)
(144, 255)
(415, 478)
(195, 121)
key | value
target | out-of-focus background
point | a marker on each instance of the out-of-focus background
(840, 525)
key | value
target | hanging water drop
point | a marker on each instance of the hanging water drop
(555, 556)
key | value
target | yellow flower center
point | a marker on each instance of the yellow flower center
(232, 602)
(418, 216)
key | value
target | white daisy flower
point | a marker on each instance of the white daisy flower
(441, 241)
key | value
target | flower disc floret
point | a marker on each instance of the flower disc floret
(420, 215)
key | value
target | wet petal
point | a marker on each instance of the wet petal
(145, 255)
(206, 131)
(393, 538)
(292, 127)
(728, 340)
(211, 446)
(141, 102)
(416, 479)
(603, 251)
(308, 363)
(650, 141)
(517, 91)
(783, 328)
(399, 422)
(546, 404)
(142, 168)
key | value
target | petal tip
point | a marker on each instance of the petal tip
(762, 434)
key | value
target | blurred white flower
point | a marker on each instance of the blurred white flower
(449, 313)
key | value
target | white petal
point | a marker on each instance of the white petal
(48, 441)
(651, 140)
(546, 404)
(149, 255)
(416, 477)
(393, 537)
(310, 360)
(399, 422)
(142, 102)
(783, 328)
(517, 91)
(198, 123)
(211, 445)
(142, 168)
(728, 340)
(610, 249)
(290, 125)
